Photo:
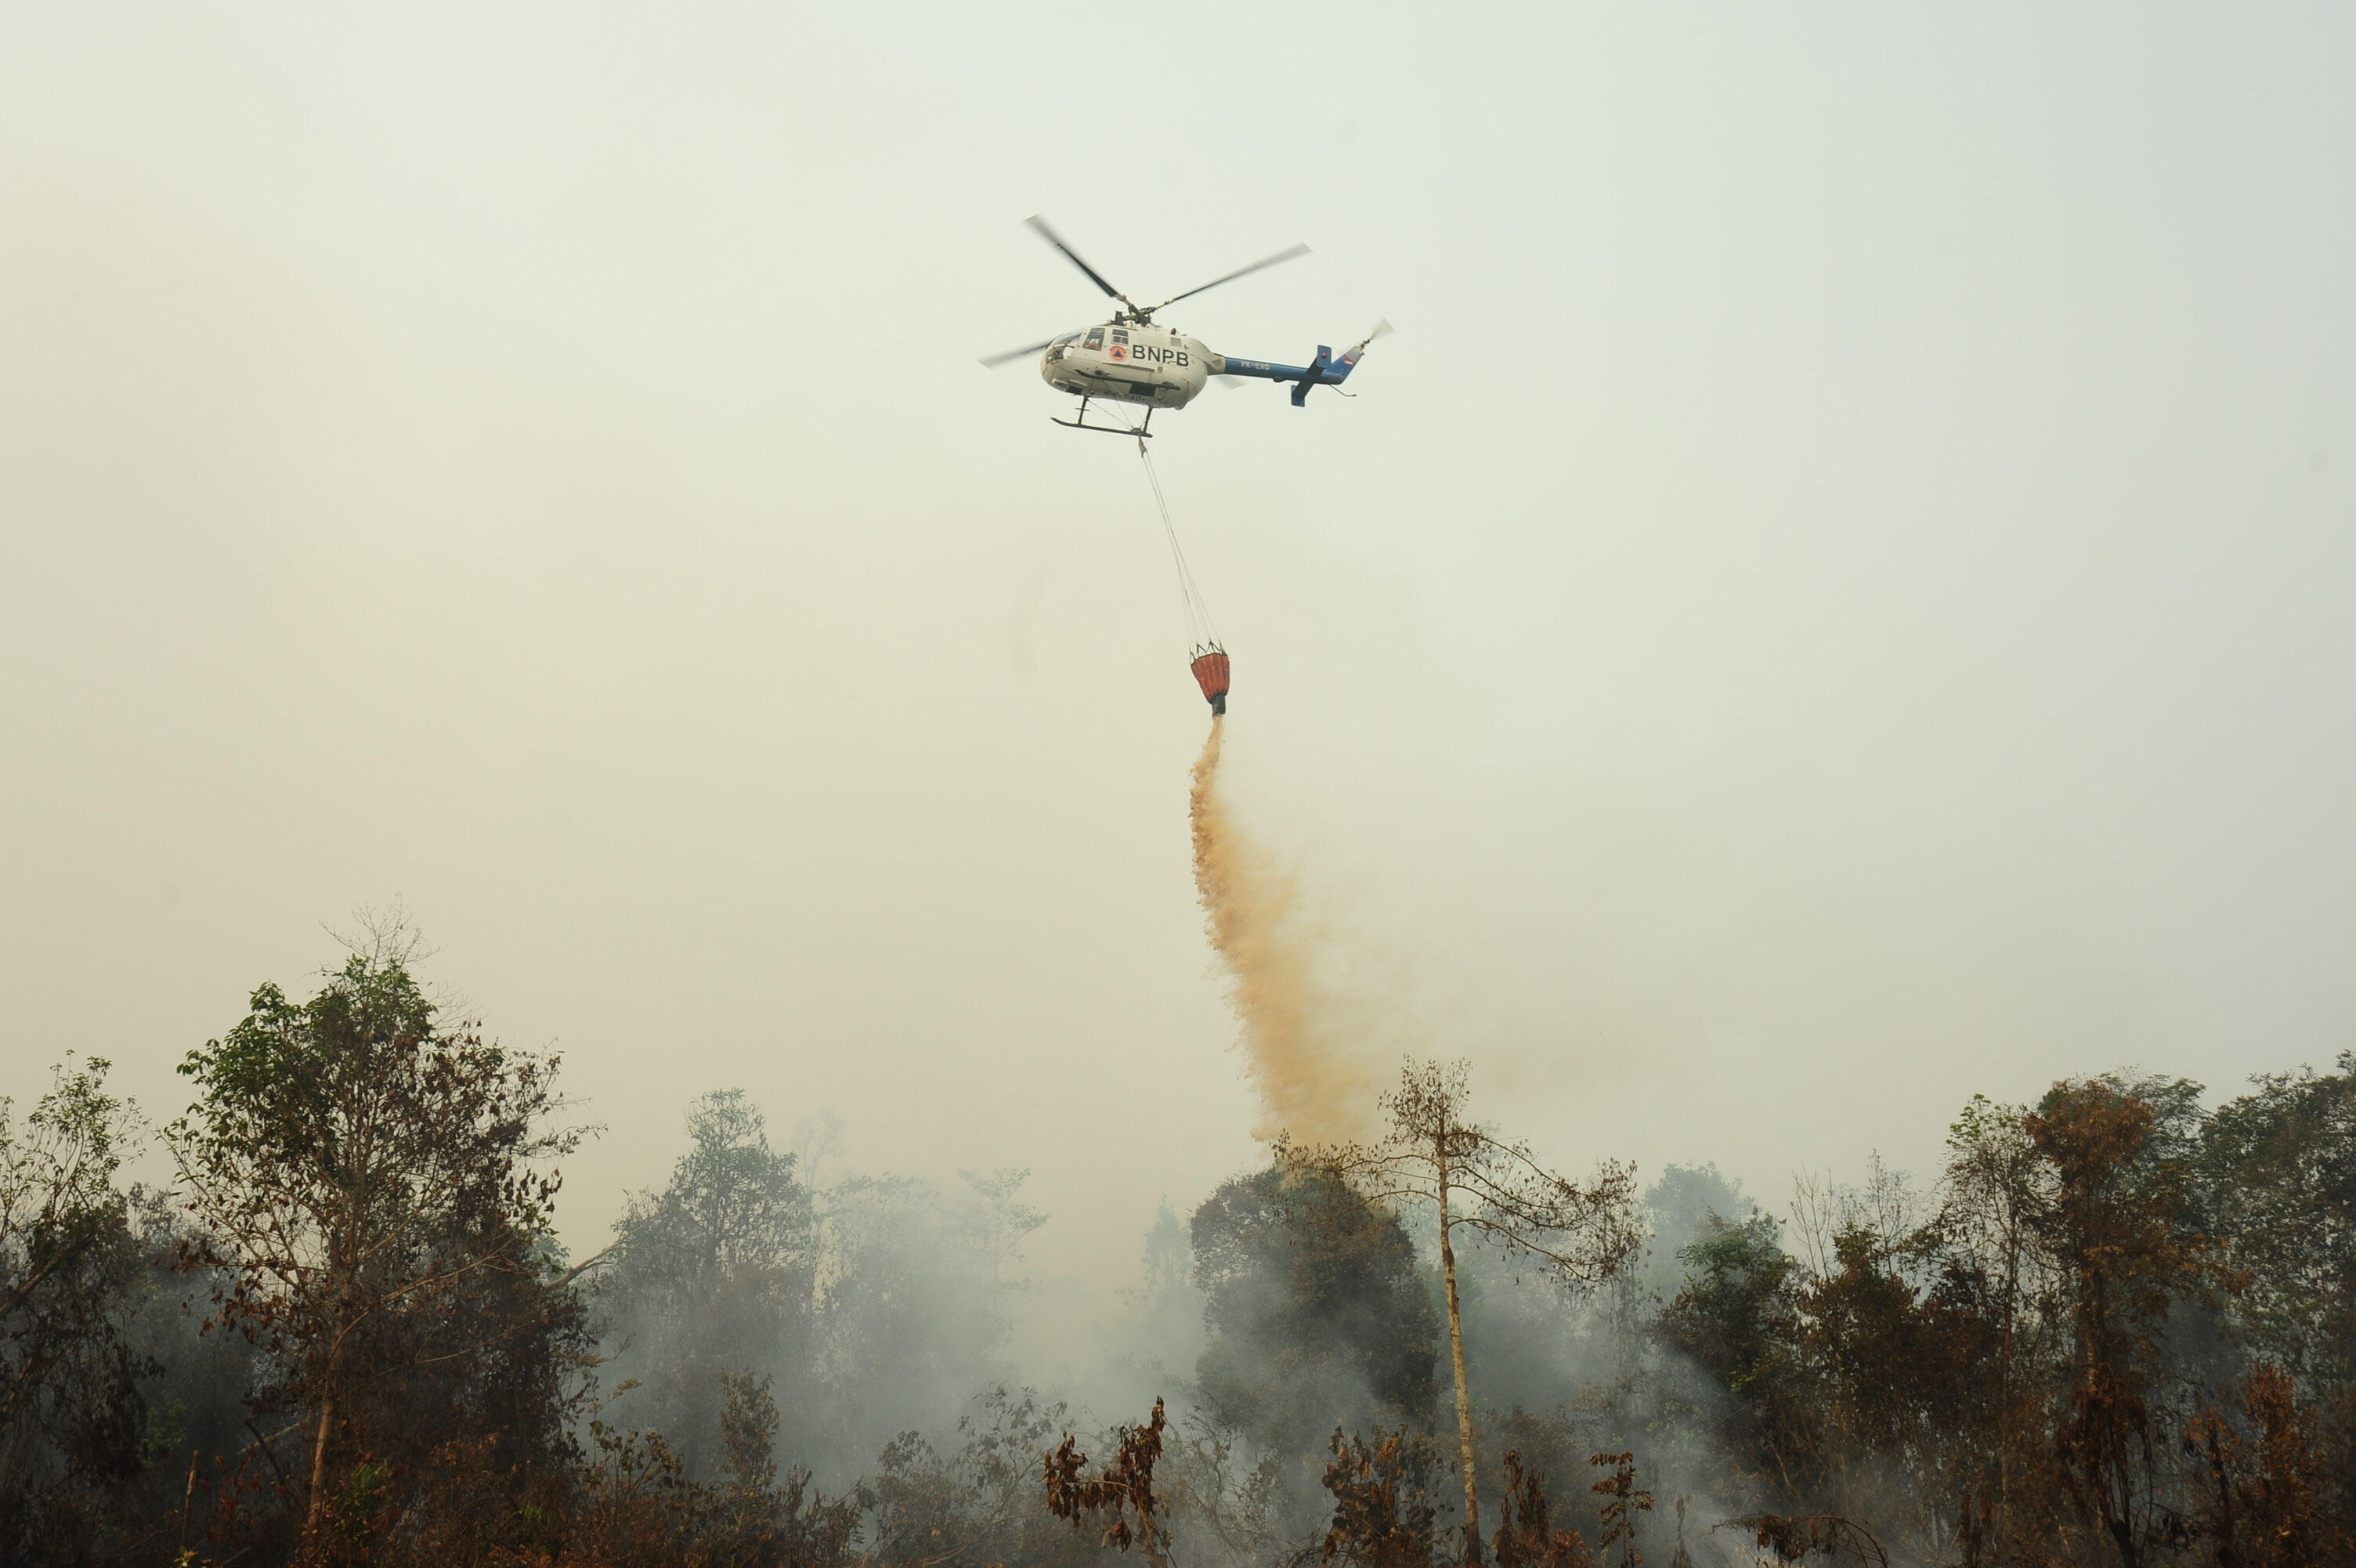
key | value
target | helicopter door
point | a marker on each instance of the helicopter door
(1119, 350)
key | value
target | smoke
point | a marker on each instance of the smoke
(1315, 1085)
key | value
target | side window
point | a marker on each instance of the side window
(1096, 338)
(1119, 336)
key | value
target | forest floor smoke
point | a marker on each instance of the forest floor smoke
(1314, 1084)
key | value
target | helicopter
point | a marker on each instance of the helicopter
(1132, 359)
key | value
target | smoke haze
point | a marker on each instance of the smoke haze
(1834, 599)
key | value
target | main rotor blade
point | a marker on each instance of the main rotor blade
(1048, 234)
(1011, 355)
(1297, 251)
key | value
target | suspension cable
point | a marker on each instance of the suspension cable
(1202, 631)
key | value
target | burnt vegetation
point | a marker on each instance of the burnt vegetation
(2117, 1327)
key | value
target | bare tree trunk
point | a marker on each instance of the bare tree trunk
(187, 1500)
(343, 1257)
(1456, 1353)
(319, 1458)
(327, 1420)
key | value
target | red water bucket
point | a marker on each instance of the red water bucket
(1211, 674)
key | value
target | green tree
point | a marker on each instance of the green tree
(1738, 1319)
(1677, 1209)
(2278, 1169)
(368, 1181)
(918, 1291)
(712, 1275)
(1312, 1301)
(71, 1415)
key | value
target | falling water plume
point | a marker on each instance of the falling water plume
(1310, 1081)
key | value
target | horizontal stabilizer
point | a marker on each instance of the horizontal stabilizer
(1324, 370)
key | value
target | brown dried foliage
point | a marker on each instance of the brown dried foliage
(1525, 1538)
(1382, 1514)
(2267, 1492)
(1794, 1538)
(1122, 1491)
(1623, 1502)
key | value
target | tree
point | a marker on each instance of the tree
(363, 1175)
(1887, 1356)
(753, 1520)
(916, 1298)
(1160, 1334)
(1677, 1210)
(1313, 1302)
(711, 1275)
(1736, 1319)
(2000, 1282)
(2278, 1166)
(71, 1410)
(1434, 1153)
(2114, 1228)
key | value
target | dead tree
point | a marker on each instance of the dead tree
(1434, 1153)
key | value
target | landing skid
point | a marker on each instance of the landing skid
(1144, 432)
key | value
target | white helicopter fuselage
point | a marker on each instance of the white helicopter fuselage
(1131, 362)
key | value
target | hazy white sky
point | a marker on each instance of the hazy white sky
(1835, 598)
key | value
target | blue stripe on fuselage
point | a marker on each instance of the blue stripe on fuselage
(1265, 370)
(1324, 371)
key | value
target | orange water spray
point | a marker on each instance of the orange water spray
(1312, 1082)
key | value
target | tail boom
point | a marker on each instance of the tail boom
(1324, 370)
